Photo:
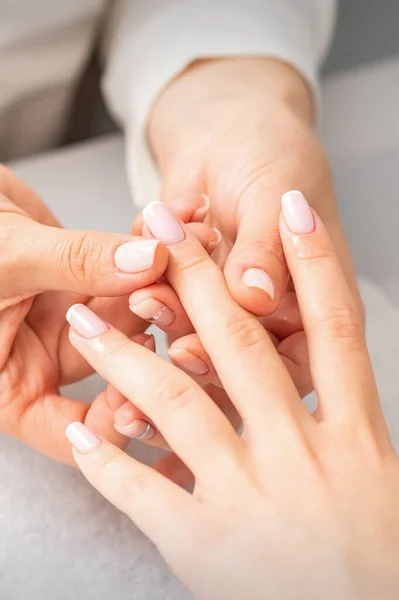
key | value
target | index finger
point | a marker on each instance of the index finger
(237, 343)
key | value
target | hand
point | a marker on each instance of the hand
(302, 506)
(43, 268)
(241, 131)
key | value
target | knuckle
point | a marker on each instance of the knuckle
(125, 481)
(194, 263)
(270, 246)
(343, 323)
(79, 256)
(245, 332)
(311, 256)
(174, 391)
(115, 349)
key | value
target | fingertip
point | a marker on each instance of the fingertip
(137, 224)
(189, 361)
(253, 288)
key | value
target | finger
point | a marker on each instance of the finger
(41, 424)
(339, 360)
(189, 354)
(188, 208)
(236, 342)
(170, 398)
(159, 304)
(149, 499)
(293, 351)
(116, 311)
(131, 422)
(174, 469)
(255, 271)
(286, 319)
(84, 262)
(209, 237)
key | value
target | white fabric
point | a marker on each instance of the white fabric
(44, 46)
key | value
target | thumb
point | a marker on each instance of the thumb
(256, 271)
(37, 258)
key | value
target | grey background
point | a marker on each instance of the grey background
(367, 31)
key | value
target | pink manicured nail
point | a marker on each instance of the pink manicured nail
(189, 361)
(85, 321)
(214, 241)
(201, 212)
(126, 422)
(297, 213)
(82, 438)
(137, 430)
(257, 278)
(163, 223)
(154, 311)
(136, 256)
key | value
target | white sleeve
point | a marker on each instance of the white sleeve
(149, 42)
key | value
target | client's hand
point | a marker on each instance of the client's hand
(43, 268)
(302, 506)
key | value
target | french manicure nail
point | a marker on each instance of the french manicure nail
(189, 361)
(85, 321)
(214, 241)
(297, 213)
(82, 438)
(136, 256)
(163, 223)
(154, 311)
(137, 430)
(258, 278)
(201, 212)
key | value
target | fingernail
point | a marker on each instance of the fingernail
(189, 361)
(154, 311)
(201, 212)
(297, 213)
(163, 223)
(258, 278)
(82, 438)
(136, 256)
(85, 321)
(214, 241)
(128, 425)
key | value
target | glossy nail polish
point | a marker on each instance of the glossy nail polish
(154, 311)
(258, 278)
(163, 224)
(297, 213)
(82, 438)
(85, 321)
(136, 256)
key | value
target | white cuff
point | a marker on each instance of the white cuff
(150, 49)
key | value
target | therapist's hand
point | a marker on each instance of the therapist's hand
(302, 506)
(43, 269)
(241, 131)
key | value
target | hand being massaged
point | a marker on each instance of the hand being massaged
(301, 505)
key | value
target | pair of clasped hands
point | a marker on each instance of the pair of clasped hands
(298, 506)
(301, 505)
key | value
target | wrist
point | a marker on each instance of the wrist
(220, 91)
